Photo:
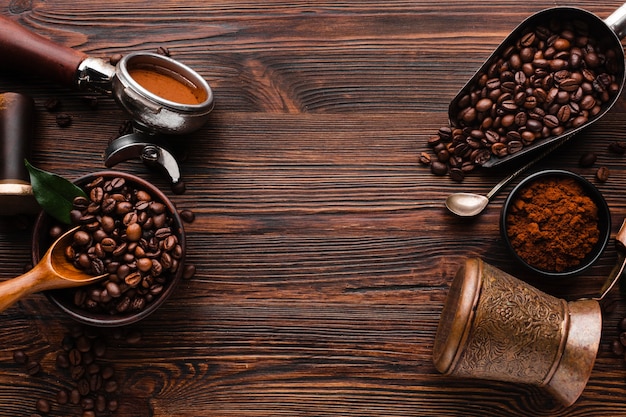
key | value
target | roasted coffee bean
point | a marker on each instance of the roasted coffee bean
(603, 174)
(87, 403)
(101, 403)
(113, 405)
(163, 50)
(618, 147)
(74, 357)
(110, 386)
(189, 271)
(75, 396)
(133, 337)
(62, 360)
(95, 382)
(107, 372)
(77, 372)
(20, 357)
(587, 159)
(62, 397)
(439, 168)
(63, 120)
(52, 104)
(83, 387)
(115, 58)
(43, 406)
(32, 367)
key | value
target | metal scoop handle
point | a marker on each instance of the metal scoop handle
(617, 21)
(28, 51)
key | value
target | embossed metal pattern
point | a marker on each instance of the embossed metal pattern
(517, 333)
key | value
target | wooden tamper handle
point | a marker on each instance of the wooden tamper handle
(17, 119)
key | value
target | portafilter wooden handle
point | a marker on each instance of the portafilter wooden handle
(24, 50)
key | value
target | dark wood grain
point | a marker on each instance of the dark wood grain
(322, 246)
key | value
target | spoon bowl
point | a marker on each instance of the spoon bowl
(471, 205)
(466, 204)
(53, 271)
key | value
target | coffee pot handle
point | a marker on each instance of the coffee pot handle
(620, 267)
(24, 50)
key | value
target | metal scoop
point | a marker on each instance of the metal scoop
(609, 31)
(52, 272)
(154, 116)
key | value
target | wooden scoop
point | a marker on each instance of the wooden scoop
(54, 271)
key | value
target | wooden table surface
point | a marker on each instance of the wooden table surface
(323, 249)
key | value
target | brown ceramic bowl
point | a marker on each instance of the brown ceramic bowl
(603, 224)
(64, 299)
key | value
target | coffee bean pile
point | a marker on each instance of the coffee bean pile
(128, 234)
(552, 79)
(89, 384)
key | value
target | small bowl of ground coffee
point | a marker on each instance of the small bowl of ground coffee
(556, 223)
(127, 228)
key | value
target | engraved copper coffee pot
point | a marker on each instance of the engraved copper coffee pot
(496, 327)
(153, 116)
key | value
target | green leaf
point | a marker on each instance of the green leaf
(54, 193)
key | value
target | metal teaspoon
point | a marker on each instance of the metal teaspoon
(471, 205)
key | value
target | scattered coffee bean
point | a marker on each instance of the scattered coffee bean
(43, 406)
(62, 397)
(32, 367)
(52, 104)
(162, 50)
(63, 120)
(20, 357)
(603, 174)
(587, 159)
(115, 58)
(618, 147)
(187, 216)
(133, 337)
(425, 158)
(189, 271)
(439, 168)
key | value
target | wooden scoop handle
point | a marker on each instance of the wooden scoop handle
(24, 50)
(12, 290)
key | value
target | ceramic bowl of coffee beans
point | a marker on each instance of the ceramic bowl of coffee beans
(556, 223)
(127, 228)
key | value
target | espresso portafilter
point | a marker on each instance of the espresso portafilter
(157, 120)
(17, 114)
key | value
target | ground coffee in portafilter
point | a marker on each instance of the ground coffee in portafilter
(552, 79)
